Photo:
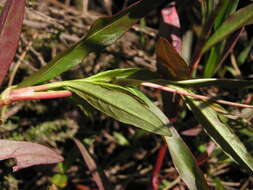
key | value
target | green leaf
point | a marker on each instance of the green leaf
(125, 105)
(104, 32)
(60, 180)
(227, 7)
(206, 82)
(237, 20)
(120, 139)
(170, 62)
(185, 162)
(120, 74)
(213, 59)
(245, 52)
(217, 52)
(220, 132)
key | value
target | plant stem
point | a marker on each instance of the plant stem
(158, 165)
(196, 96)
(34, 93)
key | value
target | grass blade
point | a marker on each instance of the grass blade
(218, 51)
(237, 20)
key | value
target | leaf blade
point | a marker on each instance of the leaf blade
(124, 106)
(27, 154)
(104, 32)
(221, 133)
(238, 19)
(185, 162)
(170, 61)
(11, 20)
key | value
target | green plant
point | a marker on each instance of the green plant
(116, 92)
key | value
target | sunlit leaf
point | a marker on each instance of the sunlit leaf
(104, 32)
(11, 20)
(124, 105)
(27, 154)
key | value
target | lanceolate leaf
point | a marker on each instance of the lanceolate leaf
(11, 20)
(206, 82)
(237, 20)
(220, 51)
(123, 105)
(182, 157)
(185, 162)
(104, 32)
(137, 76)
(114, 75)
(227, 7)
(221, 133)
(27, 154)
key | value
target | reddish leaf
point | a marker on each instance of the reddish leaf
(169, 60)
(11, 20)
(192, 132)
(27, 154)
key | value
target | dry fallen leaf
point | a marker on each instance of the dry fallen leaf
(27, 154)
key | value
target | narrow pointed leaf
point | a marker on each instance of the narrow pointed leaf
(185, 162)
(227, 7)
(104, 32)
(221, 50)
(221, 133)
(11, 20)
(118, 74)
(237, 20)
(206, 82)
(27, 154)
(122, 105)
(170, 61)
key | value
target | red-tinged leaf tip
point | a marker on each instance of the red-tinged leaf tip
(170, 26)
(27, 154)
(11, 20)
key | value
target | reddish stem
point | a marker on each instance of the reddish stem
(30, 93)
(158, 166)
(41, 95)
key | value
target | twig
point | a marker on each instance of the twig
(173, 183)
(21, 58)
(196, 96)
